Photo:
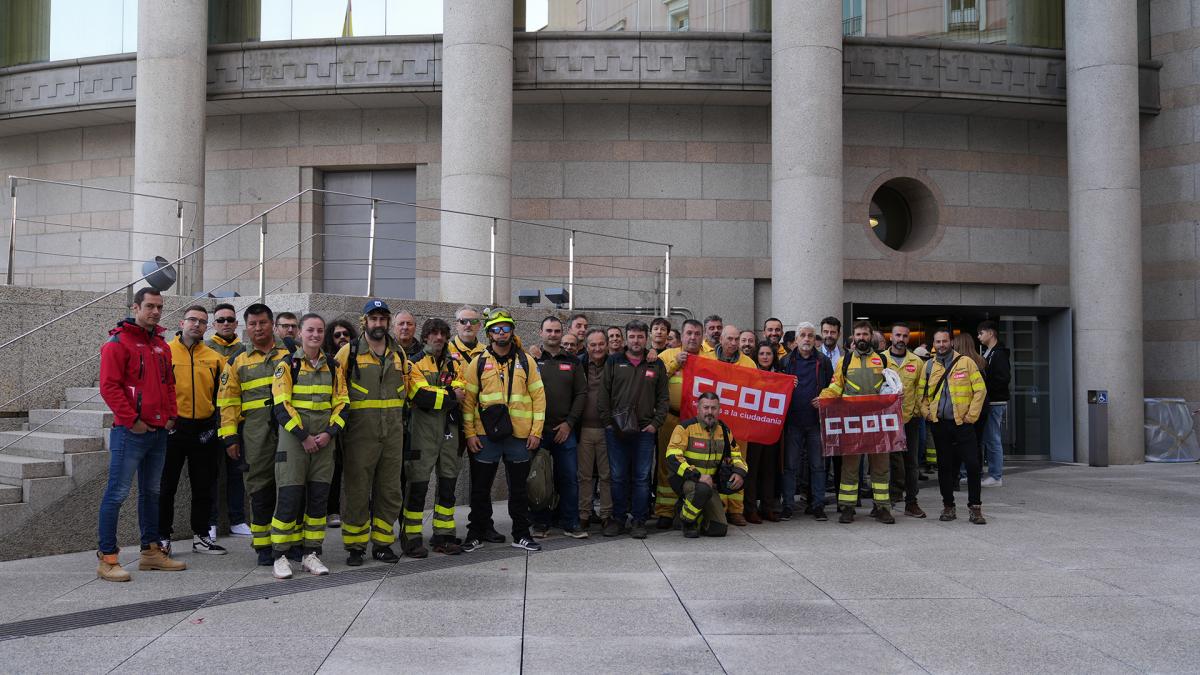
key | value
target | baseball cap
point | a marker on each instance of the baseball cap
(376, 306)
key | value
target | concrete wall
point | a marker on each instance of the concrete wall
(1170, 211)
(696, 176)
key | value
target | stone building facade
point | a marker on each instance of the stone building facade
(760, 178)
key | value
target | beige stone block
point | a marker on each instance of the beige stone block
(664, 122)
(664, 151)
(395, 125)
(665, 209)
(595, 208)
(627, 208)
(592, 122)
(701, 209)
(627, 151)
(699, 151)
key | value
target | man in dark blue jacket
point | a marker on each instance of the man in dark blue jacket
(802, 435)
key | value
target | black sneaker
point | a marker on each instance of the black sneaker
(384, 554)
(354, 558)
(638, 531)
(207, 546)
(541, 531)
(266, 557)
(527, 543)
(786, 514)
(493, 537)
(819, 514)
(612, 528)
(472, 544)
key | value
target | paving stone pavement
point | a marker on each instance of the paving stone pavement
(1078, 570)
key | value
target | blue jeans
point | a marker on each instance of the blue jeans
(993, 448)
(566, 482)
(801, 444)
(630, 461)
(142, 453)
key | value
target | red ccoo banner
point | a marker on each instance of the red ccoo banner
(862, 425)
(754, 403)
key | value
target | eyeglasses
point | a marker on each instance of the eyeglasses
(340, 334)
(502, 328)
(468, 322)
(225, 319)
(192, 319)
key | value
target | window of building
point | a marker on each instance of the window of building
(347, 225)
(853, 17)
(903, 214)
(966, 15)
(677, 15)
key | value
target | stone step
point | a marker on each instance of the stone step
(83, 419)
(14, 469)
(10, 494)
(70, 431)
(75, 394)
(54, 444)
(96, 404)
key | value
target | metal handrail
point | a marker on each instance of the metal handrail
(12, 228)
(263, 259)
(12, 246)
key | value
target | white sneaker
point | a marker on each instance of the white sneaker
(991, 482)
(283, 568)
(313, 565)
(212, 532)
(240, 530)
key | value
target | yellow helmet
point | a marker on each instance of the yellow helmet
(498, 316)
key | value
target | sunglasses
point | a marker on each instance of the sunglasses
(469, 322)
(225, 319)
(340, 334)
(505, 329)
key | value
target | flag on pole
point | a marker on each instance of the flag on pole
(348, 22)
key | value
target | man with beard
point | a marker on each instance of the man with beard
(831, 332)
(502, 375)
(673, 359)
(748, 343)
(905, 473)
(773, 333)
(376, 372)
(436, 389)
(713, 325)
(860, 373)
(952, 396)
(698, 448)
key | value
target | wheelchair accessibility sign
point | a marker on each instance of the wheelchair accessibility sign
(1098, 396)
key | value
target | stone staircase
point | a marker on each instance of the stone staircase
(42, 467)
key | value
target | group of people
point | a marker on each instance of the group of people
(335, 424)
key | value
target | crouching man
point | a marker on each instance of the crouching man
(704, 461)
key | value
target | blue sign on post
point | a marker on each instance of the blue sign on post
(1102, 397)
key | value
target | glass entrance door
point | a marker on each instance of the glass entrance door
(1027, 429)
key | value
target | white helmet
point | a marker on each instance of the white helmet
(891, 383)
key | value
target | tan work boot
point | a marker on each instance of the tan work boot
(977, 515)
(110, 568)
(154, 558)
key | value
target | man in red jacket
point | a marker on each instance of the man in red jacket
(138, 384)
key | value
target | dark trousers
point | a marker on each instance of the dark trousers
(184, 446)
(763, 462)
(483, 474)
(956, 445)
(235, 489)
(335, 485)
(905, 474)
